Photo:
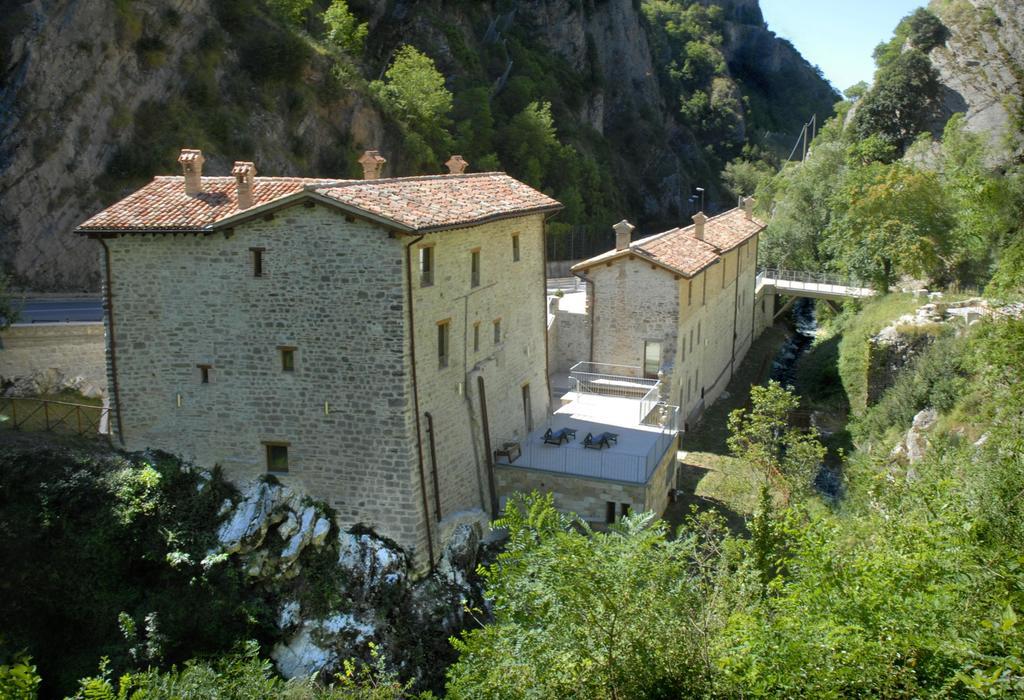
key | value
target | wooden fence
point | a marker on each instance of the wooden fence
(46, 415)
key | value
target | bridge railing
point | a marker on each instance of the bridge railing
(830, 282)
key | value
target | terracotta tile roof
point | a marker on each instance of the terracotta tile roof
(679, 251)
(442, 201)
(729, 229)
(162, 205)
(415, 203)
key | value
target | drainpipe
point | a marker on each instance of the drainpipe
(112, 342)
(735, 315)
(416, 397)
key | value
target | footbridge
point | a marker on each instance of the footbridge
(813, 285)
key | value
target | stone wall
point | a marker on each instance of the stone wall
(510, 291)
(568, 338)
(332, 289)
(589, 498)
(70, 350)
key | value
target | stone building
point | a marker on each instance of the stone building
(360, 340)
(678, 303)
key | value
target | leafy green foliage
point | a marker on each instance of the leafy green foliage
(925, 30)
(889, 219)
(99, 532)
(244, 675)
(578, 613)
(344, 30)
(762, 436)
(18, 678)
(414, 92)
(902, 100)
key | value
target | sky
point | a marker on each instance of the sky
(837, 35)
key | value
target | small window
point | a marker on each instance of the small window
(442, 344)
(287, 359)
(204, 373)
(497, 331)
(609, 512)
(257, 262)
(689, 387)
(476, 337)
(698, 332)
(689, 292)
(515, 248)
(691, 340)
(277, 457)
(652, 359)
(426, 266)
(474, 268)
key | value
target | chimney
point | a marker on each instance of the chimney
(457, 165)
(192, 160)
(245, 178)
(748, 207)
(372, 163)
(698, 225)
(623, 234)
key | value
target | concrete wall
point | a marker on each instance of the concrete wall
(334, 290)
(73, 349)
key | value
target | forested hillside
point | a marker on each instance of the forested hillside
(914, 181)
(618, 108)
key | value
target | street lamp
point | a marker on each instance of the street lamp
(701, 190)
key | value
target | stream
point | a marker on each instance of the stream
(805, 327)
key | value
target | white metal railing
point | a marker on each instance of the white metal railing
(609, 380)
(823, 281)
(649, 401)
(606, 463)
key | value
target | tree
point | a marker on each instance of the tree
(856, 91)
(890, 220)
(291, 11)
(743, 176)
(414, 92)
(577, 613)
(925, 30)
(788, 458)
(344, 30)
(902, 101)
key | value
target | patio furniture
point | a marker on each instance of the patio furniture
(510, 451)
(559, 436)
(600, 442)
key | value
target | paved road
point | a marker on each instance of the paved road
(55, 310)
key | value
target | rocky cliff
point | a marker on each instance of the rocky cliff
(97, 97)
(981, 68)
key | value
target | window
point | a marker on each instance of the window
(725, 269)
(426, 266)
(683, 358)
(287, 358)
(609, 512)
(698, 332)
(652, 359)
(277, 457)
(527, 409)
(689, 386)
(204, 373)
(474, 268)
(623, 509)
(689, 292)
(515, 248)
(476, 337)
(497, 331)
(442, 344)
(257, 261)
(691, 340)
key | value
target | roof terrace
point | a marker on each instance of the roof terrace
(609, 401)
